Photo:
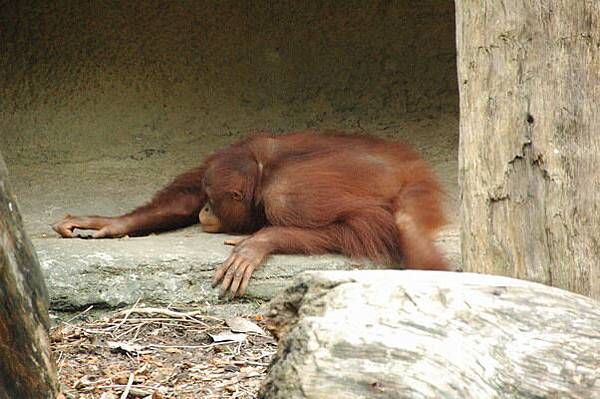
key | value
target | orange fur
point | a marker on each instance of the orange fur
(305, 193)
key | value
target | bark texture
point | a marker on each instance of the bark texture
(26, 366)
(529, 78)
(413, 334)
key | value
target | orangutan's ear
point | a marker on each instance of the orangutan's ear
(237, 195)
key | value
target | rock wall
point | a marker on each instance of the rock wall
(86, 80)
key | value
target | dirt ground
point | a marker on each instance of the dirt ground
(160, 353)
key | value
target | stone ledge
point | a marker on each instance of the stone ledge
(158, 269)
(173, 268)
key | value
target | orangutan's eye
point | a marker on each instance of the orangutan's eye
(237, 195)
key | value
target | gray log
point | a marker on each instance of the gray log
(415, 334)
(529, 79)
(26, 366)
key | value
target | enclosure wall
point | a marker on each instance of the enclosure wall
(83, 80)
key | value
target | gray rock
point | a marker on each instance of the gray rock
(418, 334)
(161, 269)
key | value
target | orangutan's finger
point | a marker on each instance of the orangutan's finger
(220, 271)
(246, 280)
(235, 241)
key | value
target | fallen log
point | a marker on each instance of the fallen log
(415, 334)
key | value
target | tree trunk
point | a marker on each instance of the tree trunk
(26, 366)
(529, 78)
(416, 334)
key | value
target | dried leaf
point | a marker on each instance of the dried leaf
(84, 381)
(126, 347)
(157, 395)
(138, 392)
(144, 370)
(228, 336)
(241, 325)
(121, 379)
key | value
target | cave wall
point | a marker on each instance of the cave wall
(82, 80)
